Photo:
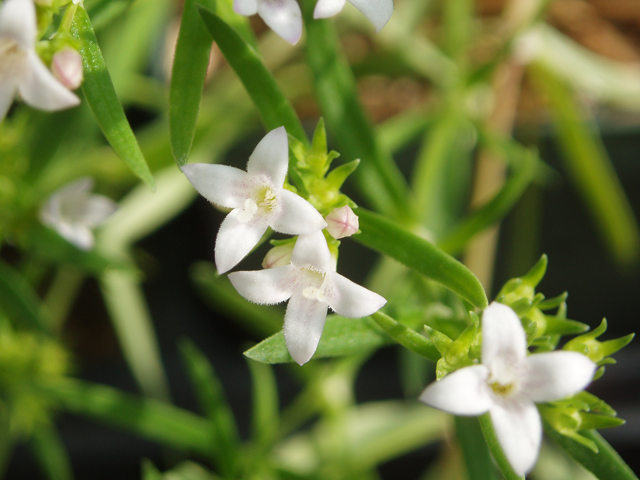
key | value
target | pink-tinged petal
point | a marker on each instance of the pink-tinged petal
(271, 157)
(303, 324)
(519, 431)
(79, 235)
(41, 90)
(245, 7)
(265, 287)
(296, 216)
(556, 375)
(328, 8)
(342, 222)
(312, 250)
(350, 299)
(377, 11)
(503, 338)
(96, 209)
(284, 18)
(463, 392)
(18, 22)
(66, 67)
(220, 184)
(235, 240)
(8, 87)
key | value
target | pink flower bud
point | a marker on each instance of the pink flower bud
(342, 222)
(278, 256)
(66, 66)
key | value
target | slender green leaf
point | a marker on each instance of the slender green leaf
(341, 336)
(474, 448)
(496, 449)
(267, 96)
(211, 398)
(149, 471)
(190, 63)
(151, 419)
(605, 465)
(495, 209)
(418, 254)
(102, 98)
(18, 300)
(588, 163)
(266, 416)
(51, 453)
(380, 180)
(406, 337)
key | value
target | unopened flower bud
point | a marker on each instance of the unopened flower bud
(66, 66)
(342, 222)
(278, 256)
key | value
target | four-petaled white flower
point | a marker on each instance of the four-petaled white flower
(282, 16)
(311, 284)
(73, 211)
(257, 198)
(377, 11)
(21, 69)
(507, 384)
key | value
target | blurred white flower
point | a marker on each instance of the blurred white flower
(282, 16)
(73, 212)
(21, 70)
(507, 384)
(342, 222)
(311, 284)
(257, 197)
(377, 11)
(66, 66)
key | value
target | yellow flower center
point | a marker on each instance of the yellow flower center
(263, 200)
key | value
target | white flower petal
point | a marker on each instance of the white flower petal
(350, 299)
(8, 87)
(18, 22)
(284, 18)
(220, 184)
(39, 88)
(77, 234)
(97, 209)
(303, 324)
(245, 7)
(463, 392)
(377, 11)
(312, 250)
(296, 216)
(519, 431)
(556, 375)
(78, 188)
(271, 157)
(235, 240)
(265, 287)
(327, 8)
(503, 338)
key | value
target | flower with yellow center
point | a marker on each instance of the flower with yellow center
(507, 384)
(257, 198)
(311, 284)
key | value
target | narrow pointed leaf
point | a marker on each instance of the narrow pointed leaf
(496, 450)
(341, 336)
(475, 452)
(406, 337)
(18, 300)
(267, 96)
(562, 326)
(420, 255)
(190, 63)
(266, 416)
(51, 454)
(101, 97)
(151, 419)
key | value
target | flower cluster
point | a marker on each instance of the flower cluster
(22, 70)
(284, 16)
(305, 274)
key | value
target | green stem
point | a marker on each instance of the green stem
(496, 450)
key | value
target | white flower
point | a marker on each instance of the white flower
(257, 197)
(377, 11)
(311, 285)
(73, 211)
(507, 384)
(283, 16)
(21, 69)
(342, 222)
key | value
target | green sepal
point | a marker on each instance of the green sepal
(439, 339)
(457, 354)
(598, 351)
(555, 302)
(563, 326)
(524, 287)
